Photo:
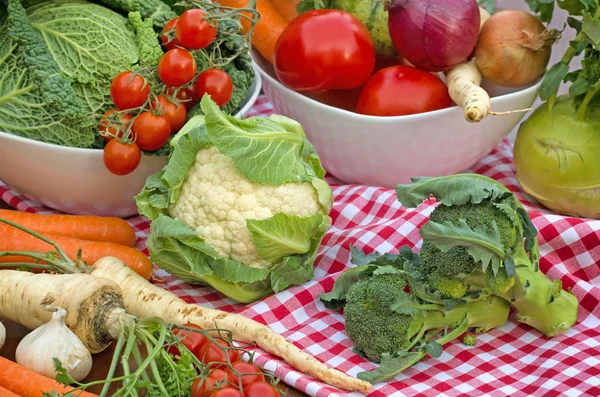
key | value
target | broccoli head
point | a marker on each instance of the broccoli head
(380, 317)
(481, 241)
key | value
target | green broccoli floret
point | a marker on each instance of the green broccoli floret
(482, 236)
(380, 317)
(469, 340)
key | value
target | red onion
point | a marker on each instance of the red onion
(434, 35)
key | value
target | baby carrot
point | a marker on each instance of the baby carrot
(12, 239)
(93, 228)
(26, 383)
(7, 393)
(287, 8)
(268, 29)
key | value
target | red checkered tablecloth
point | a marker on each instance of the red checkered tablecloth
(513, 360)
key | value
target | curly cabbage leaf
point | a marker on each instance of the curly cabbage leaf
(288, 243)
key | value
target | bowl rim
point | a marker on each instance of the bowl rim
(410, 117)
(248, 104)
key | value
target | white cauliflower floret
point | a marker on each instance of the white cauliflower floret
(216, 200)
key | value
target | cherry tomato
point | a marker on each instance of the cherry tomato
(177, 67)
(167, 37)
(217, 84)
(187, 95)
(193, 31)
(402, 90)
(242, 367)
(215, 381)
(128, 91)
(109, 129)
(175, 113)
(260, 389)
(227, 392)
(151, 131)
(192, 340)
(121, 158)
(324, 50)
(211, 353)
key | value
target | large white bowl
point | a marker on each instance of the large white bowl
(75, 180)
(386, 151)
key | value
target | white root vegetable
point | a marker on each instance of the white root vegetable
(464, 86)
(94, 305)
(54, 340)
(143, 299)
(2, 334)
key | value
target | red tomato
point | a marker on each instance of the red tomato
(217, 84)
(193, 31)
(192, 340)
(167, 37)
(177, 67)
(324, 50)
(215, 381)
(242, 367)
(211, 353)
(402, 90)
(128, 91)
(227, 392)
(151, 131)
(187, 95)
(121, 158)
(109, 129)
(260, 389)
(175, 113)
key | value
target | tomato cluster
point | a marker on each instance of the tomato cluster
(143, 121)
(228, 375)
(329, 54)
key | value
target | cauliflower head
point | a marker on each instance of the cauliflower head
(216, 200)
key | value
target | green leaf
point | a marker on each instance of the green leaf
(553, 79)
(529, 230)
(358, 256)
(62, 376)
(579, 87)
(310, 5)
(292, 270)
(282, 235)
(235, 272)
(336, 299)
(391, 365)
(434, 349)
(591, 28)
(482, 243)
(451, 190)
(262, 150)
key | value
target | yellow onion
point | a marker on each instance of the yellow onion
(514, 48)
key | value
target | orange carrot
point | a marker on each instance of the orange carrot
(286, 8)
(93, 228)
(12, 239)
(7, 393)
(268, 29)
(26, 383)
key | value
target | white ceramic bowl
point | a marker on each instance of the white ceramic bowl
(386, 151)
(75, 180)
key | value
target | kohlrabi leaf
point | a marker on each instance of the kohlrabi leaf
(451, 190)
(391, 365)
(283, 235)
(292, 270)
(336, 299)
(262, 150)
(482, 243)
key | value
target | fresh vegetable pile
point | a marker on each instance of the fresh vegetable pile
(557, 150)
(116, 81)
(479, 256)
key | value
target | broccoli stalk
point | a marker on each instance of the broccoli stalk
(480, 241)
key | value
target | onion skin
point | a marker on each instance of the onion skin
(514, 48)
(434, 35)
(557, 158)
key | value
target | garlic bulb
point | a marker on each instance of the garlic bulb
(54, 340)
(2, 335)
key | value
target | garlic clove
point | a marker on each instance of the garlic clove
(2, 334)
(54, 339)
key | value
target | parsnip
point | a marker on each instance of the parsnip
(143, 299)
(94, 304)
(464, 88)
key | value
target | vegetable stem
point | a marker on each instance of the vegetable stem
(586, 101)
(113, 364)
